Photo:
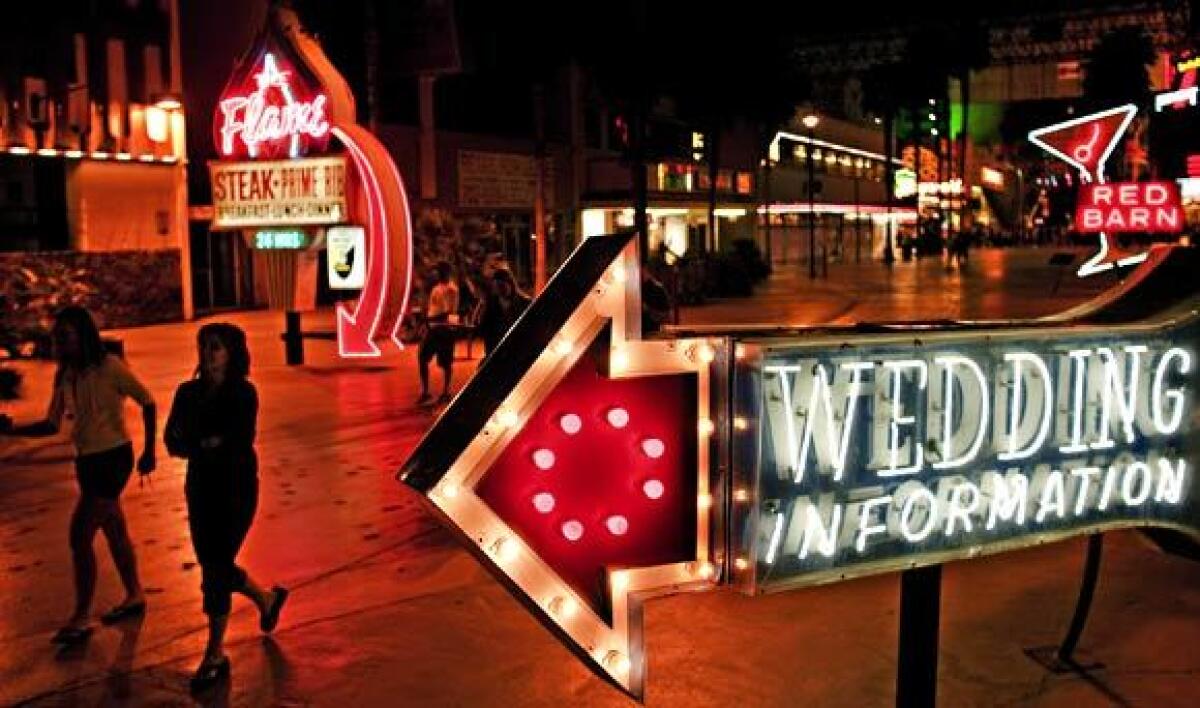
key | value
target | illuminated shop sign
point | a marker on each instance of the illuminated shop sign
(992, 177)
(1129, 206)
(346, 248)
(591, 469)
(905, 183)
(285, 240)
(873, 454)
(279, 192)
(1086, 143)
(270, 114)
(1181, 77)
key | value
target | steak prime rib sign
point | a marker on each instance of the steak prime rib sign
(591, 468)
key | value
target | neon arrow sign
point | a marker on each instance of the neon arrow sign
(288, 100)
(590, 469)
(1086, 143)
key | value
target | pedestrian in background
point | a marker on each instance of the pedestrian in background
(212, 424)
(90, 388)
(504, 306)
(441, 314)
(656, 303)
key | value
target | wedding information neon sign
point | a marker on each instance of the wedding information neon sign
(875, 455)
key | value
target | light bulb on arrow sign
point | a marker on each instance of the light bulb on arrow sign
(574, 463)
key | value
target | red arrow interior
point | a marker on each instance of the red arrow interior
(603, 474)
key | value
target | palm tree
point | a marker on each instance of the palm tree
(1117, 69)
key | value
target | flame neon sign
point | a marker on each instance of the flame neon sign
(273, 119)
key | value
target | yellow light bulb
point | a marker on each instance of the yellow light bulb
(619, 360)
(508, 418)
(705, 426)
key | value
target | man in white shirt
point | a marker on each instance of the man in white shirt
(440, 313)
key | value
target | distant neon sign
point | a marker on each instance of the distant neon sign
(274, 119)
(1129, 206)
(1086, 143)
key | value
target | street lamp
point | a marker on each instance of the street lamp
(810, 122)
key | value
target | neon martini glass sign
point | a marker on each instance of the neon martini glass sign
(1086, 143)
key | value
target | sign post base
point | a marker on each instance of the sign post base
(920, 619)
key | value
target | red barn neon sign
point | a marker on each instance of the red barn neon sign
(1086, 143)
(1129, 206)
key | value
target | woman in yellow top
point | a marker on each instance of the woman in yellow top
(90, 388)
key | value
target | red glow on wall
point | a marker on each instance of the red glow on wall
(1129, 206)
(269, 110)
(619, 491)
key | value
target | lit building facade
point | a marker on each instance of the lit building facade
(93, 157)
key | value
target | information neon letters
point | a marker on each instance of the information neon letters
(864, 457)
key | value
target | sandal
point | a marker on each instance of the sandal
(70, 636)
(208, 674)
(270, 618)
(124, 612)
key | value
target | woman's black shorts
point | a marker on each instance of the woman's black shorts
(104, 474)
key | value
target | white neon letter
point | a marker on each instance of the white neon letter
(1140, 498)
(957, 509)
(1053, 497)
(948, 363)
(866, 516)
(776, 535)
(1009, 497)
(1114, 386)
(1106, 492)
(1170, 481)
(1163, 424)
(822, 396)
(929, 503)
(1017, 405)
(1085, 475)
(1079, 358)
(898, 419)
(814, 526)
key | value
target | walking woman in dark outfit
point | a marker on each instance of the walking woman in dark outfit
(90, 388)
(212, 424)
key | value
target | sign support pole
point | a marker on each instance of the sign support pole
(1083, 606)
(917, 655)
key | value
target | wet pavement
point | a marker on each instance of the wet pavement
(387, 610)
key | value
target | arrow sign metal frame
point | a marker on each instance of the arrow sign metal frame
(1129, 357)
(597, 289)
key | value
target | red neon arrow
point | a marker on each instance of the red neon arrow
(356, 332)
(389, 222)
(575, 464)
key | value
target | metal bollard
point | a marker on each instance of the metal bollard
(293, 339)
